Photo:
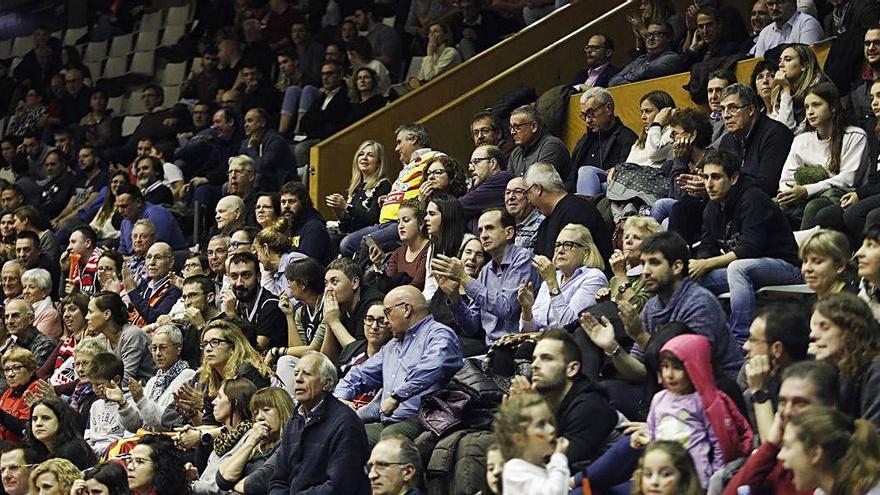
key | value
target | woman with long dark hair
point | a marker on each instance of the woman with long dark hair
(824, 161)
(54, 432)
(156, 467)
(445, 226)
(108, 478)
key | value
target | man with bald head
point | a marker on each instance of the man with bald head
(527, 217)
(157, 294)
(10, 276)
(420, 359)
(229, 214)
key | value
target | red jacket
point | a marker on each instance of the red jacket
(764, 474)
(13, 404)
(732, 429)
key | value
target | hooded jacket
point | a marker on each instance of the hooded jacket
(731, 428)
(749, 224)
(308, 234)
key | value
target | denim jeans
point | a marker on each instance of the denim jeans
(662, 208)
(385, 235)
(592, 180)
(742, 278)
(299, 100)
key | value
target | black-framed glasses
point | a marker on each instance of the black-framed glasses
(514, 128)
(567, 245)
(381, 466)
(435, 173)
(655, 34)
(13, 368)
(160, 347)
(591, 112)
(593, 48)
(370, 320)
(732, 109)
(515, 192)
(871, 43)
(388, 311)
(526, 192)
(475, 161)
(212, 343)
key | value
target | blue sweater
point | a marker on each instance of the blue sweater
(325, 454)
(697, 308)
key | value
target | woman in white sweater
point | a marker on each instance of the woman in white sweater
(834, 151)
(440, 57)
(172, 373)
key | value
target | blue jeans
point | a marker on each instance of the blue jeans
(592, 180)
(662, 208)
(742, 278)
(385, 235)
(611, 472)
(299, 100)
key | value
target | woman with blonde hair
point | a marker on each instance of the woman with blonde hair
(226, 354)
(827, 451)
(274, 252)
(628, 282)
(825, 258)
(571, 281)
(368, 183)
(55, 476)
(271, 408)
(799, 70)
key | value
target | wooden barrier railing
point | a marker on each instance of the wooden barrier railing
(627, 96)
(331, 159)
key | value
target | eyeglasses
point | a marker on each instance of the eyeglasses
(370, 321)
(732, 109)
(138, 461)
(475, 161)
(514, 192)
(526, 192)
(381, 466)
(12, 368)
(191, 295)
(388, 311)
(567, 245)
(655, 34)
(593, 48)
(11, 469)
(482, 130)
(435, 173)
(237, 244)
(591, 112)
(213, 343)
(871, 43)
(160, 347)
(514, 128)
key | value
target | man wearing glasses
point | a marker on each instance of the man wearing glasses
(75, 102)
(157, 295)
(534, 144)
(659, 59)
(15, 469)
(420, 359)
(760, 143)
(788, 26)
(527, 217)
(488, 180)
(598, 69)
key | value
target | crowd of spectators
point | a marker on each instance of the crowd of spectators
(686, 308)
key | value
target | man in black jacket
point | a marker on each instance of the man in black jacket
(760, 143)
(860, 96)
(544, 190)
(747, 242)
(598, 69)
(328, 115)
(606, 143)
(271, 155)
(583, 414)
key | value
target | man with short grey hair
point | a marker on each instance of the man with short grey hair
(324, 444)
(19, 319)
(229, 214)
(534, 144)
(527, 217)
(545, 191)
(10, 276)
(395, 467)
(157, 295)
(760, 143)
(606, 143)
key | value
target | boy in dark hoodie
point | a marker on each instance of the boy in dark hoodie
(747, 243)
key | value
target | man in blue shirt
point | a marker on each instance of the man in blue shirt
(131, 206)
(493, 307)
(420, 359)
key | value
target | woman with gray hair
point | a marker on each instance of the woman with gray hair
(36, 286)
(172, 372)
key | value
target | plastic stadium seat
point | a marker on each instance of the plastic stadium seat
(94, 70)
(143, 63)
(129, 124)
(115, 104)
(147, 41)
(21, 46)
(134, 104)
(5, 48)
(121, 45)
(115, 67)
(172, 95)
(96, 51)
(174, 74)
(151, 21)
(172, 34)
(178, 16)
(72, 35)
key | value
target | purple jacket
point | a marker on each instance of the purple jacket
(489, 194)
